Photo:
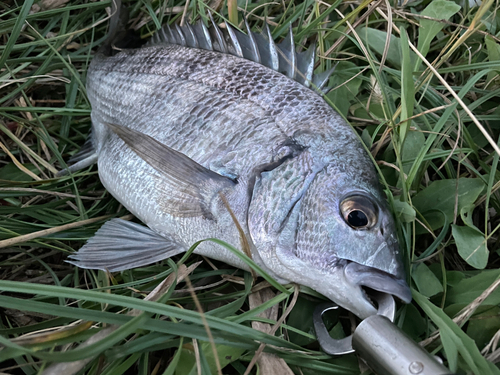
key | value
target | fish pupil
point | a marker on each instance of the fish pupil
(357, 218)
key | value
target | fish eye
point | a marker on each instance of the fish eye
(359, 212)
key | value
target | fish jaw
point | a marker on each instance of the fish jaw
(343, 283)
(378, 280)
(333, 284)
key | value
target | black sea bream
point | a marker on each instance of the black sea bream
(199, 121)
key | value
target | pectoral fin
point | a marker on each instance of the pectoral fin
(189, 187)
(120, 245)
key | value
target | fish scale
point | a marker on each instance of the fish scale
(200, 124)
(262, 87)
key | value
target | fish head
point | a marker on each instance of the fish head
(339, 238)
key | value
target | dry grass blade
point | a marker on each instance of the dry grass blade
(359, 21)
(19, 164)
(53, 334)
(55, 193)
(452, 92)
(26, 149)
(46, 232)
(268, 363)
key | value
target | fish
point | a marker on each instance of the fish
(210, 133)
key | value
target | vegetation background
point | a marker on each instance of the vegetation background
(419, 80)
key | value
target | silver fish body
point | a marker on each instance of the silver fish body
(178, 129)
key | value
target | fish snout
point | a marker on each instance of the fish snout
(378, 280)
(387, 256)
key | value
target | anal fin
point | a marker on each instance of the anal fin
(120, 245)
(82, 159)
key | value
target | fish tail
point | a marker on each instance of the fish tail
(117, 22)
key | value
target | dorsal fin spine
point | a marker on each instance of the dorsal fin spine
(287, 55)
(163, 35)
(190, 36)
(254, 50)
(203, 36)
(221, 43)
(320, 80)
(259, 48)
(268, 47)
(182, 38)
(234, 40)
(305, 66)
(172, 35)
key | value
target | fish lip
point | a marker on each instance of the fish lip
(375, 279)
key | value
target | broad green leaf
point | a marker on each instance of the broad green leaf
(453, 278)
(346, 87)
(376, 40)
(367, 138)
(450, 348)
(455, 310)
(483, 326)
(12, 173)
(466, 215)
(468, 289)
(440, 10)
(455, 337)
(427, 283)
(374, 107)
(471, 245)
(404, 212)
(226, 355)
(476, 136)
(440, 195)
(414, 324)
(337, 331)
(413, 143)
(301, 318)
(493, 49)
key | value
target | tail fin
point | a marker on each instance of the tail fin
(87, 154)
(117, 22)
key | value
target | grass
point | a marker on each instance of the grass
(418, 81)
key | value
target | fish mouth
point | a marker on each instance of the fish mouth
(378, 280)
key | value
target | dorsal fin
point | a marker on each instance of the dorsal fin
(305, 66)
(217, 38)
(320, 80)
(287, 56)
(203, 36)
(267, 48)
(257, 47)
(190, 36)
(180, 34)
(250, 45)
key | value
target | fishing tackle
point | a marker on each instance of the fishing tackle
(379, 342)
